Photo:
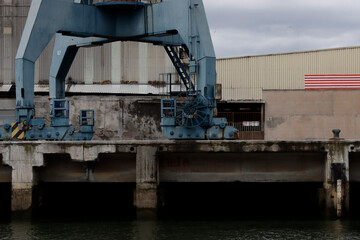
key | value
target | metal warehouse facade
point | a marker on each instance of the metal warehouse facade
(245, 78)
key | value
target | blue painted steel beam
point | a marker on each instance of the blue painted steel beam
(64, 52)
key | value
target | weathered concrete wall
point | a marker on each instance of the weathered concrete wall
(242, 167)
(116, 117)
(311, 114)
(180, 161)
(129, 161)
(106, 168)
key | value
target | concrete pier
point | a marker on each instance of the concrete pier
(146, 197)
(336, 183)
(150, 163)
(22, 159)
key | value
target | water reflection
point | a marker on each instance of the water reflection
(83, 230)
(337, 226)
(145, 230)
(20, 230)
(5, 231)
(179, 230)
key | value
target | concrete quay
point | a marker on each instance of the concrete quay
(149, 163)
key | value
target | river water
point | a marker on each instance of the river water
(84, 213)
(179, 229)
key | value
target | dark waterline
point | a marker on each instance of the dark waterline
(144, 230)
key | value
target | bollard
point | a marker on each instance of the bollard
(336, 133)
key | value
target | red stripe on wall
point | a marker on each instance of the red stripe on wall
(348, 81)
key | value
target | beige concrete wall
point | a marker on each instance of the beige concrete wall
(301, 114)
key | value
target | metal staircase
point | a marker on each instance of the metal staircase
(180, 68)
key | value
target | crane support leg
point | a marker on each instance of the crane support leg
(64, 52)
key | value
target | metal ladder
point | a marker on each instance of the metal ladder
(180, 68)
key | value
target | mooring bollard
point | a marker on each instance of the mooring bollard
(336, 133)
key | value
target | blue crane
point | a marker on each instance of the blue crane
(172, 24)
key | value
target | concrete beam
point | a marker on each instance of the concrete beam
(87, 151)
(84, 151)
(241, 167)
(108, 168)
(79, 151)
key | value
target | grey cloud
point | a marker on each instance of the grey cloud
(245, 27)
(253, 43)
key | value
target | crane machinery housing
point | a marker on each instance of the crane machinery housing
(80, 23)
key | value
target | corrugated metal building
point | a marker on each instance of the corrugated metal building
(113, 63)
(244, 78)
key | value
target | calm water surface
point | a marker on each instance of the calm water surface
(184, 229)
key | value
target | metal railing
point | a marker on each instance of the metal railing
(172, 82)
(245, 122)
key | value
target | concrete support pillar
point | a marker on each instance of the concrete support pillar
(22, 184)
(336, 182)
(22, 159)
(146, 197)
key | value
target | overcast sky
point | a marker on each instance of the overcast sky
(252, 27)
